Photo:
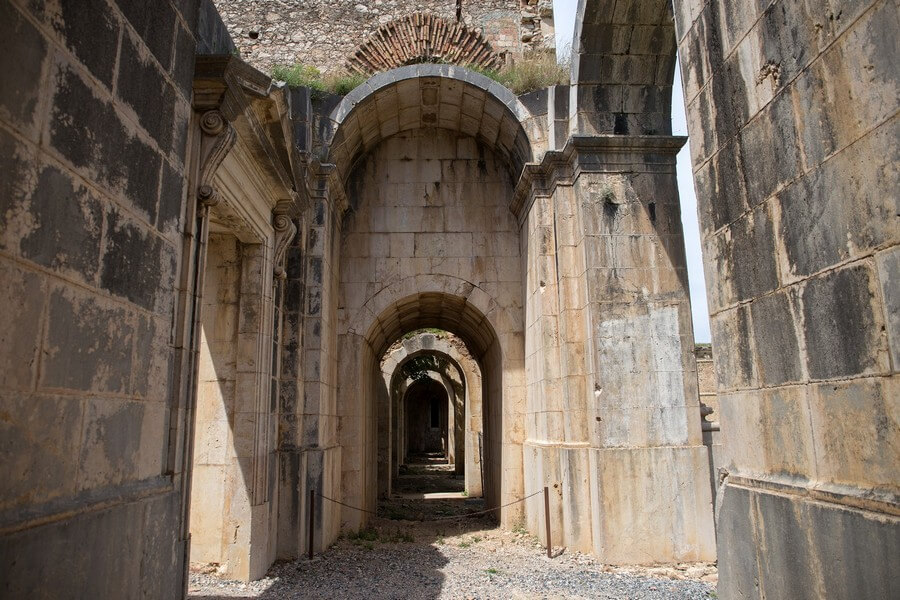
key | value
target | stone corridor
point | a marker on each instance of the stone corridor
(224, 296)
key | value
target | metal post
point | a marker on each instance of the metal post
(312, 519)
(547, 519)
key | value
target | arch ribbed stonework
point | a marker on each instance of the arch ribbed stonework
(623, 64)
(418, 38)
(422, 96)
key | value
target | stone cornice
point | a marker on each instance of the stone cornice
(240, 93)
(594, 154)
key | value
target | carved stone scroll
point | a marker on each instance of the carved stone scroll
(216, 142)
(285, 230)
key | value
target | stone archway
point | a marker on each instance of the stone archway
(428, 155)
(492, 337)
(464, 372)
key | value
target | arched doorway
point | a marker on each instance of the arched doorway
(445, 357)
(428, 154)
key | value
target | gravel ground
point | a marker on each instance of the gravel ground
(472, 561)
(406, 554)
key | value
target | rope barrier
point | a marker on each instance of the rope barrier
(465, 516)
(347, 505)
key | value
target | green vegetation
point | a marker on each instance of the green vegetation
(367, 537)
(492, 571)
(363, 535)
(300, 75)
(401, 537)
(535, 71)
(415, 332)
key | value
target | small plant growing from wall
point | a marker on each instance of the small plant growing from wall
(535, 71)
(301, 75)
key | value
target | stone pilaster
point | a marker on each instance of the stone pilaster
(614, 390)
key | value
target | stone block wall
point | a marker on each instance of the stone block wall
(94, 109)
(792, 109)
(323, 33)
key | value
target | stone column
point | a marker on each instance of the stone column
(310, 457)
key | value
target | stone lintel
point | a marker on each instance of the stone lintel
(594, 154)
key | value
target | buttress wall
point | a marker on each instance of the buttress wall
(792, 110)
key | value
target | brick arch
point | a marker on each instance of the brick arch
(422, 38)
(623, 65)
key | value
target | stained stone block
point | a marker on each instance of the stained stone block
(673, 524)
(155, 26)
(66, 227)
(144, 87)
(734, 362)
(752, 254)
(861, 544)
(162, 557)
(41, 437)
(855, 427)
(120, 442)
(41, 558)
(87, 131)
(775, 337)
(888, 263)
(775, 122)
(21, 64)
(171, 200)
(20, 325)
(137, 265)
(92, 344)
(819, 227)
(737, 550)
(841, 324)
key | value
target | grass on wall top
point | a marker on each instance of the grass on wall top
(535, 71)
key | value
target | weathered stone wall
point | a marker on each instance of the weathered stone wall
(310, 452)
(216, 402)
(792, 109)
(709, 412)
(323, 33)
(94, 109)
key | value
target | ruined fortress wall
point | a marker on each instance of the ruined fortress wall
(94, 109)
(323, 33)
(792, 109)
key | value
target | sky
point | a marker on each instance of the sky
(564, 21)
